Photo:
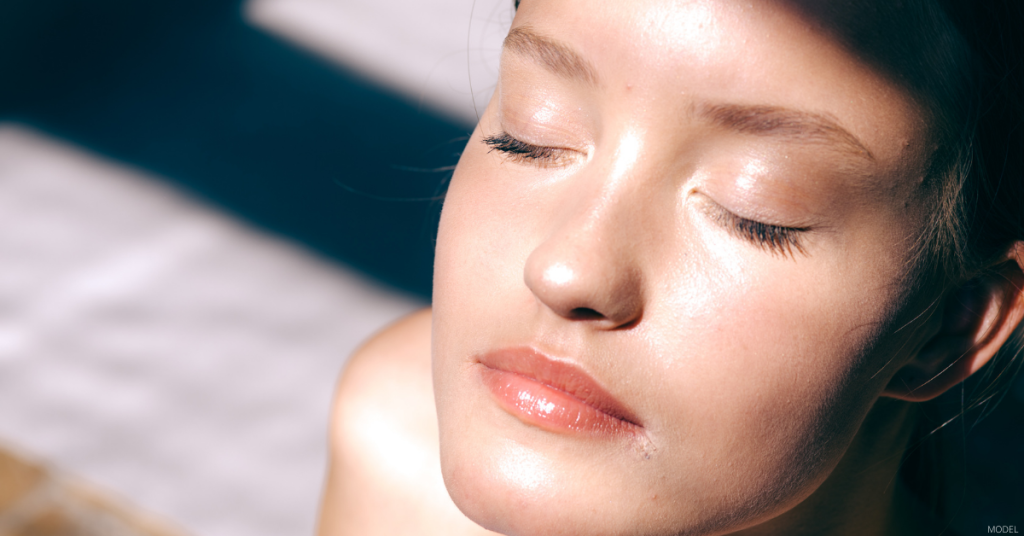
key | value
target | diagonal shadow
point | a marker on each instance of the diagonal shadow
(188, 90)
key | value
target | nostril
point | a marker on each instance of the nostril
(605, 295)
(585, 313)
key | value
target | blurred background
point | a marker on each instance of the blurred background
(204, 206)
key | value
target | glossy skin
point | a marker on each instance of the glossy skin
(624, 248)
(709, 210)
(385, 475)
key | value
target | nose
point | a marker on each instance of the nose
(588, 273)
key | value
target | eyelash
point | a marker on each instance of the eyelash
(773, 238)
(520, 151)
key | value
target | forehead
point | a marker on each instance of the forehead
(668, 55)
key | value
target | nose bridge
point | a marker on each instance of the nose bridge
(589, 267)
(608, 204)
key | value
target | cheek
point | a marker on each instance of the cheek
(770, 375)
(476, 241)
(778, 363)
(478, 265)
(494, 215)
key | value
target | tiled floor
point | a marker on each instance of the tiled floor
(163, 351)
(36, 500)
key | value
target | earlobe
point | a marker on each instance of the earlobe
(977, 319)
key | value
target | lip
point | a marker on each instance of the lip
(554, 395)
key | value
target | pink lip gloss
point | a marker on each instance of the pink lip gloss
(553, 395)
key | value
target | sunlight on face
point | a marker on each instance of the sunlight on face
(682, 229)
(558, 274)
(628, 153)
(523, 468)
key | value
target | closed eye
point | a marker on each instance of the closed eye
(520, 151)
(775, 239)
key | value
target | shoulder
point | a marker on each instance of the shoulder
(390, 371)
(385, 474)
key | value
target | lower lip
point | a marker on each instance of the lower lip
(550, 408)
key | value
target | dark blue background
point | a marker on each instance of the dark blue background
(190, 91)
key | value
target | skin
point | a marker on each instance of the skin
(773, 382)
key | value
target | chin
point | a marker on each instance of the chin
(517, 490)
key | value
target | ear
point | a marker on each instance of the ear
(977, 319)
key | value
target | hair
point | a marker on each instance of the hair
(978, 214)
(984, 198)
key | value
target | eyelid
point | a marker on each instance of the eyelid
(775, 239)
(527, 153)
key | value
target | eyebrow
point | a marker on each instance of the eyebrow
(784, 123)
(760, 120)
(557, 57)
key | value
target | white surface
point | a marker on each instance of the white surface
(163, 351)
(442, 53)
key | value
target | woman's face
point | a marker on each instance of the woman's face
(669, 268)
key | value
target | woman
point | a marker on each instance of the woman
(696, 267)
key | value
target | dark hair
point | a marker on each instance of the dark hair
(980, 163)
(979, 214)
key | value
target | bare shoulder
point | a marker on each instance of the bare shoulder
(385, 475)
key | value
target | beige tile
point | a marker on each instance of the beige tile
(17, 478)
(36, 501)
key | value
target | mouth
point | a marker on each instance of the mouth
(554, 395)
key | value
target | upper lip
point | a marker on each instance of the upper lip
(561, 375)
